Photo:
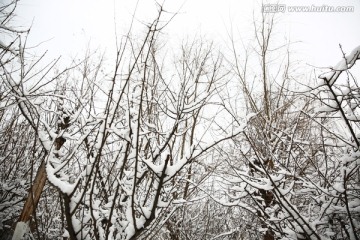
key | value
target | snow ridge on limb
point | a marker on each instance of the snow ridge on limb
(346, 63)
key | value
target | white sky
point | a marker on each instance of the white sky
(69, 25)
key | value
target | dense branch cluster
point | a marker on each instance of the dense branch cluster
(151, 150)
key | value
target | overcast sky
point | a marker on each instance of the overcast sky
(68, 26)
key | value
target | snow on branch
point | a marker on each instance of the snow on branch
(346, 63)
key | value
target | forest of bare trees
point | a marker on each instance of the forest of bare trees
(210, 144)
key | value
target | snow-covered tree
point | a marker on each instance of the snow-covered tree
(201, 145)
(113, 143)
(295, 165)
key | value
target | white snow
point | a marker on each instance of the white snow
(343, 64)
(20, 231)
(66, 234)
(64, 186)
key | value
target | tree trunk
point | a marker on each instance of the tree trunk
(22, 226)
